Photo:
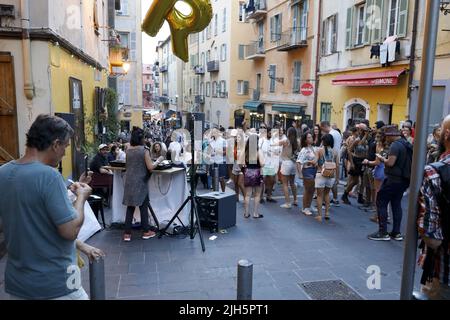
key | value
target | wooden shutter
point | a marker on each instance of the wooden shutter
(335, 33)
(323, 40)
(402, 18)
(368, 22)
(246, 87)
(349, 29)
(297, 77)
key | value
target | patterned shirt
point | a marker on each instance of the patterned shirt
(429, 225)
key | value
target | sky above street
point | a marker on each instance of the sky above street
(149, 43)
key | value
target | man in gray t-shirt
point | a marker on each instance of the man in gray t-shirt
(40, 223)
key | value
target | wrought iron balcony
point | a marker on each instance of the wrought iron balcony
(255, 50)
(256, 95)
(256, 9)
(200, 99)
(164, 99)
(163, 68)
(213, 66)
(199, 70)
(292, 39)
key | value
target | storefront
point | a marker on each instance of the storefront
(286, 114)
(374, 94)
(257, 113)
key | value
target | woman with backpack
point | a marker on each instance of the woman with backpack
(326, 174)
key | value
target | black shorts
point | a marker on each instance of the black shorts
(358, 167)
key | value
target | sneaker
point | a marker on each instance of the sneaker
(271, 200)
(230, 181)
(335, 203)
(307, 212)
(286, 206)
(262, 201)
(315, 197)
(396, 236)
(380, 236)
(148, 235)
(127, 237)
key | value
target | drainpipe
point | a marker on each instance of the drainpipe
(26, 50)
(316, 88)
(412, 56)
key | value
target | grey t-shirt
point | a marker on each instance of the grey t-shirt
(34, 202)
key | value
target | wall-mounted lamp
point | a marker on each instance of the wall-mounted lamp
(126, 67)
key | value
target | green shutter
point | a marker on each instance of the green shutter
(402, 18)
(246, 86)
(324, 37)
(368, 22)
(349, 28)
(297, 77)
(272, 29)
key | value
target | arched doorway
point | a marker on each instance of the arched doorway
(355, 110)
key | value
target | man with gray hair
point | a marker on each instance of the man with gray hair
(41, 224)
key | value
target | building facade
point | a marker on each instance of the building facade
(128, 21)
(148, 85)
(282, 52)
(53, 60)
(364, 60)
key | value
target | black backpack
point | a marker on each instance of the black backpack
(443, 197)
(407, 165)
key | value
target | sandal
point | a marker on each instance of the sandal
(246, 216)
(259, 217)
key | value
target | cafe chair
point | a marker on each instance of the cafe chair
(102, 181)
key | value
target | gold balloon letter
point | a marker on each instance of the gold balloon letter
(180, 25)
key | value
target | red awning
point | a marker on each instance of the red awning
(385, 78)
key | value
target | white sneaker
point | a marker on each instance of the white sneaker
(286, 206)
(230, 181)
(307, 212)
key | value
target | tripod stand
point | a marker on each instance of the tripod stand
(194, 225)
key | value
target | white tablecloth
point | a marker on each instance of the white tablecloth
(90, 225)
(167, 192)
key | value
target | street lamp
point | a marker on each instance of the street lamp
(126, 67)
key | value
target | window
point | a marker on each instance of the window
(133, 46)
(216, 25)
(124, 89)
(202, 61)
(202, 89)
(123, 8)
(243, 87)
(214, 89)
(297, 77)
(360, 23)
(223, 89)
(329, 35)
(241, 11)
(325, 112)
(223, 52)
(224, 24)
(398, 18)
(273, 74)
(208, 56)
(275, 28)
(241, 52)
(208, 89)
(96, 24)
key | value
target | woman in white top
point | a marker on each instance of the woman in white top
(288, 169)
(307, 169)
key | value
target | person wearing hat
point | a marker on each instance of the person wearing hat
(397, 169)
(100, 161)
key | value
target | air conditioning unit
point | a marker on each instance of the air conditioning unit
(7, 10)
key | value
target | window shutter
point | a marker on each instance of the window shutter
(368, 22)
(297, 77)
(349, 28)
(334, 35)
(377, 20)
(241, 52)
(272, 29)
(324, 37)
(133, 46)
(279, 27)
(224, 26)
(246, 86)
(402, 18)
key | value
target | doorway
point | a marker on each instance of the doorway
(78, 141)
(9, 141)
(385, 113)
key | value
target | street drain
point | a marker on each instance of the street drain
(330, 290)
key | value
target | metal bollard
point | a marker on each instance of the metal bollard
(216, 179)
(97, 279)
(245, 280)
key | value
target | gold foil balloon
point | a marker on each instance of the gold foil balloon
(180, 25)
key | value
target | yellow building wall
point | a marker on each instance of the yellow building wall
(338, 96)
(64, 66)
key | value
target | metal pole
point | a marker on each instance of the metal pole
(97, 279)
(216, 179)
(245, 280)
(420, 145)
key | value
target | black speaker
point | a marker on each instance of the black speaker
(191, 117)
(68, 117)
(217, 211)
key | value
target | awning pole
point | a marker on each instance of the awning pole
(420, 144)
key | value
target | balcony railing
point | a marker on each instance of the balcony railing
(200, 99)
(164, 99)
(213, 66)
(255, 50)
(163, 68)
(117, 56)
(256, 9)
(199, 70)
(292, 39)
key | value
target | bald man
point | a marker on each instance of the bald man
(433, 221)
